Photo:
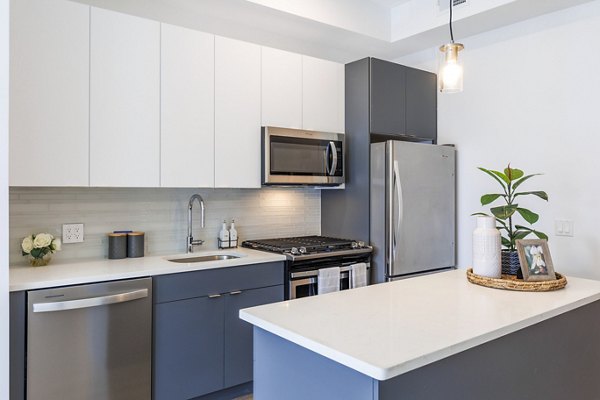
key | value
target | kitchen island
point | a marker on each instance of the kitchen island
(430, 337)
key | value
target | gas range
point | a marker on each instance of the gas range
(309, 247)
(306, 255)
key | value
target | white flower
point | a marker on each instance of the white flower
(42, 240)
(27, 244)
(56, 245)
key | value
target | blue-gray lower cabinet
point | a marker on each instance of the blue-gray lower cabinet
(238, 333)
(188, 348)
(200, 344)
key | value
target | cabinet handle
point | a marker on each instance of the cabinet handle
(213, 296)
(235, 292)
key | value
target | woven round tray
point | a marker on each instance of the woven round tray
(510, 282)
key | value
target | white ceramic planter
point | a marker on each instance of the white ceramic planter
(486, 248)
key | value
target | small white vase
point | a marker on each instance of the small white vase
(486, 248)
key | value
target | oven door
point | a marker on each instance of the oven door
(297, 157)
(306, 283)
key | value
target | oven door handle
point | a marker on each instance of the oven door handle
(307, 274)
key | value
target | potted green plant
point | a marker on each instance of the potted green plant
(510, 180)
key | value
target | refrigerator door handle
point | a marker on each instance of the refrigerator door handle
(399, 209)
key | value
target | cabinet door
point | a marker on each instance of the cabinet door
(281, 88)
(125, 100)
(187, 108)
(388, 101)
(421, 104)
(49, 97)
(238, 333)
(237, 114)
(188, 348)
(322, 95)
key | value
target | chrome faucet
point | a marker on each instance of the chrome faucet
(190, 239)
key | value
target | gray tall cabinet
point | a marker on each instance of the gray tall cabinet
(384, 100)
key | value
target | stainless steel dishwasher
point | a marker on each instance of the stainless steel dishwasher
(90, 342)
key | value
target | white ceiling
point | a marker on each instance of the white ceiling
(339, 30)
(389, 3)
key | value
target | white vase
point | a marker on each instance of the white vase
(486, 248)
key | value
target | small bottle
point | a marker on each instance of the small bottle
(224, 236)
(232, 235)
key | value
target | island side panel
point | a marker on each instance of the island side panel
(555, 359)
(284, 370)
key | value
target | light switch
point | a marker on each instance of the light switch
(564, 227)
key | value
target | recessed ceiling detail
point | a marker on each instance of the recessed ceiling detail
(339, 30)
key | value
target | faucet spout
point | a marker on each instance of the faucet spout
(190, 242)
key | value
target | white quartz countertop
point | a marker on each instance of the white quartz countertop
(73, 273)
(386, 330)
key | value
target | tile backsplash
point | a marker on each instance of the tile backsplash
(160, 213)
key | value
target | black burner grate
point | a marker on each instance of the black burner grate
(313, 244)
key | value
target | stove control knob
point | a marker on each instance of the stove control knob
(294, 250)
(302, 250)
(354, 245)
(361, 244)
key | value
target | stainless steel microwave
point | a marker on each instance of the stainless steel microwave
(299, 157)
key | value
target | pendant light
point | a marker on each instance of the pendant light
(450, 73)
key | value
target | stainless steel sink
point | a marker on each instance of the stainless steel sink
(195, 259)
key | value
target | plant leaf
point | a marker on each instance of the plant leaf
(542, 195)
(505, 242)
(480, 214)
(524, 228)
(501, 176)
(512, 173)
(521, 235)
(490, 173)
(528, 215)
(502, 223)
(488, 198)
(503, 212)
(523, 179)
(540, 235)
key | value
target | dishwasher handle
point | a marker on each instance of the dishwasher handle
(90, 301)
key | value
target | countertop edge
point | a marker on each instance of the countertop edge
(162, 267)
(385, 373)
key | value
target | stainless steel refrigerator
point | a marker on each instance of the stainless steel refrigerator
(412, 209)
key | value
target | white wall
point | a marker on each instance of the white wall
(531, 97)
(161, 213)
(4, 199)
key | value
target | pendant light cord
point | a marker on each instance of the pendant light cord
(451, 32)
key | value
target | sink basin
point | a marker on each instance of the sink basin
(195, 259)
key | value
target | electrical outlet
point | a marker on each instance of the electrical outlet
(72, 233)
(564, 227)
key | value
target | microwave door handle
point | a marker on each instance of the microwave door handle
(334, 153)
(327, 157)
(332, 149)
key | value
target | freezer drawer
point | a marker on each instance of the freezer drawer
(90, 342)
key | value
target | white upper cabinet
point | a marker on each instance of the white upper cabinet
(322, 95)
(281, 88)
(125, 100)
(237, 114)
(187, 108)
(49, 96)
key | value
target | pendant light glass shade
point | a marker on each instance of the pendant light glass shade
(450, 72)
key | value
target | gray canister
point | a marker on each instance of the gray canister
(117, 246)
(135, 244)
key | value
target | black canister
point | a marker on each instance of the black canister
(117, 246)
(135, 244)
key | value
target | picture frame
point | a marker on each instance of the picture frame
(536, 262)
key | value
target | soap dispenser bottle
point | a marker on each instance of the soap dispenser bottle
(233, 239)
(224, 236)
